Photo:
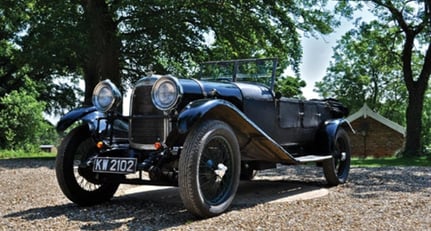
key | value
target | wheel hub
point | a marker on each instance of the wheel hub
(220, 171)
(343, 156)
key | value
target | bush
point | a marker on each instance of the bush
(21, 120)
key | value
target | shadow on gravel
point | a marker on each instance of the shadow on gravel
(133, 214)
(375, 182)
(159, 208)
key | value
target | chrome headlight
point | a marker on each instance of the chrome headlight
(166, 93)
(106, 96)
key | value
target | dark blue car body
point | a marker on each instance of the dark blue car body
(247, 115)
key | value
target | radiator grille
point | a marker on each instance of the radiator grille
(147, 123)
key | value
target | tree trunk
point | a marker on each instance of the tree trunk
(102, 58)
(416, 90)
(413, 146)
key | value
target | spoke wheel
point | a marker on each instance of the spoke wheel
(75, 177)
(209, 169)
(336, 170)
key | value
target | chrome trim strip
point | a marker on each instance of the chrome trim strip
(201, 86)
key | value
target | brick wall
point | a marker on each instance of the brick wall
(378, 140)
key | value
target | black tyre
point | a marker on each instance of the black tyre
(336, 170)
(76, 180)
(209, 169)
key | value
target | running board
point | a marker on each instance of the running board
(312, 158)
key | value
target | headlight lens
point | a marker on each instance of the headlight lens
(106, 96)
(166, 93)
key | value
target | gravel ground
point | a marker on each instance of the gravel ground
(392, 198)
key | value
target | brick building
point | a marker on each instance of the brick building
(376, 136)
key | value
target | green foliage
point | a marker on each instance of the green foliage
(10, 73)
(38, 41)
(290, 86)
(13, 154)
(365, 69)
(70, 38)
(426, 119)
(21, 121)
(386, 63)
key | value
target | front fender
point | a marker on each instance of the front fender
(88, 115)
(254, 142)
(199, 109)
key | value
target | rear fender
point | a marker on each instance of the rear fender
(326, 135)
(88, 115)
(255, 144)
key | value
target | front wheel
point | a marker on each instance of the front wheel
(336, 169)
(209, 169)
(76, 179)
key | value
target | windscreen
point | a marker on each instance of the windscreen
(247, 70)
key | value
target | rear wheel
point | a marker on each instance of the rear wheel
(76, 179)
(336, 170)
(209, 169)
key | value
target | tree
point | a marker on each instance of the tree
(365, 68)
(11, 21)
(21, 119)
(102, 53)
(39, 44)
(413, 22)
(119, 39)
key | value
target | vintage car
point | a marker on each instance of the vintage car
(202, 134)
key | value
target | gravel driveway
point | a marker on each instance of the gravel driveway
(373, 199)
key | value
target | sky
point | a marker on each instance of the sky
(315, 59)
(317, 53)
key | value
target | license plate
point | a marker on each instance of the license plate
(114, 165)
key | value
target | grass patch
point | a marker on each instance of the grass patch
(15, 154)
(391, 161)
